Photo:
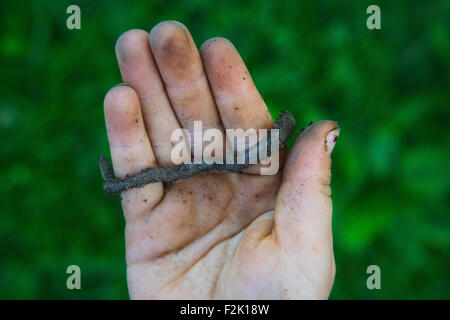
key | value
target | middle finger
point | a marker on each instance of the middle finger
(181, 69)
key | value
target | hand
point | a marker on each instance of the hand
(216, 235)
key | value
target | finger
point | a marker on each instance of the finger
(130, 148)
(139, 70)
(181, 68)
(239, 102)
(303, 208)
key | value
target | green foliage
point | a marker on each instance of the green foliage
(388, 89)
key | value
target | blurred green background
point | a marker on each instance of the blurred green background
(388, 89)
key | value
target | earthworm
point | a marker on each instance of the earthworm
(285, 123)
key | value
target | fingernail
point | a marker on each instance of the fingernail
(331, 139)
(122, 84)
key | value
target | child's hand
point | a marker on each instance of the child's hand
(216, 235)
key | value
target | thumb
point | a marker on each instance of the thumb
(303, 209)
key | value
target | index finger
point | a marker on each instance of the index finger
(239, 102)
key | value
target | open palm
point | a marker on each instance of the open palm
(216, 235)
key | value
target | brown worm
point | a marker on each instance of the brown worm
(285, 123)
